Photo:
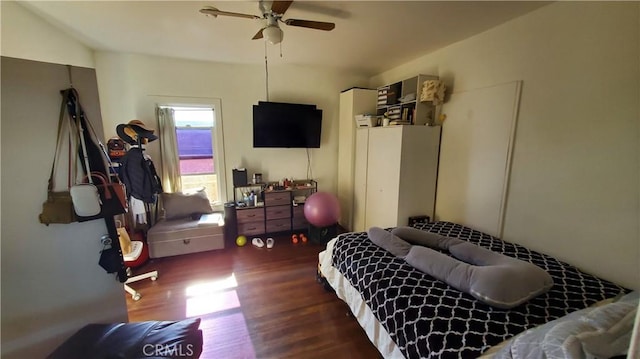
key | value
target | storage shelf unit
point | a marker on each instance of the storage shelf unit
(400, 101)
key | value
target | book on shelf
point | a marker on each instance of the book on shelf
(398, 123)
(405, 114)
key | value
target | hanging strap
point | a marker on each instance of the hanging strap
(65, 98)
(79, 115)
(72, 107)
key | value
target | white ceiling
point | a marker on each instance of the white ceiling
(369, 37)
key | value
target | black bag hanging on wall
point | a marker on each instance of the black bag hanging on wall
(93, 153)
(113, 202)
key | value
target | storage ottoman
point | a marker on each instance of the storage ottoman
(182, 236)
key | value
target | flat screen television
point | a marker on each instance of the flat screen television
(286, 125)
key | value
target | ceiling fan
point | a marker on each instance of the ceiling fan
(272, 12)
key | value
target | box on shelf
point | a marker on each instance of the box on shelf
(239, 177)
(366, 121)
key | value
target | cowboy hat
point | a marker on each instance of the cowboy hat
(133, 130)
(137, 124)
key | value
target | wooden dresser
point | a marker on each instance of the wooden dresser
(281, 210)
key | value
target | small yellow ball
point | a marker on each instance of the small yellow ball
(241, 241)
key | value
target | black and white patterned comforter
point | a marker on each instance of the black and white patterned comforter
(426, 318)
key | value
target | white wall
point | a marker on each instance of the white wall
(51, 282)
(573, 191)
(29, 37)
(130, 85)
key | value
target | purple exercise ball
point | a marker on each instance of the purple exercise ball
(322, 209)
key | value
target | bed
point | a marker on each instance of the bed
(408, 314)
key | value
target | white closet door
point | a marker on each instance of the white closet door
(383, 176)
(352, 102)
(419, 172)
(477, 142)
(360, 179)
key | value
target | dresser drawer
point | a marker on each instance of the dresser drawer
(251, 229)
(279, 225)
(277, 212)
(250, 215)
(298, 211)
(277, 198)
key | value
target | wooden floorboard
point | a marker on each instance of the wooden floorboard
(253, 302)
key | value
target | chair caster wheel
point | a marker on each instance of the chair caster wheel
(154, 278)
(136, 297)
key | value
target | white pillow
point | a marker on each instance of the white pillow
(610, 342)
(606, 316)
(574, 335)
(603, 332)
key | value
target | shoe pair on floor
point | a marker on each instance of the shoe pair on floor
(258, 242)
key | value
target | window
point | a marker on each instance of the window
(199, 141)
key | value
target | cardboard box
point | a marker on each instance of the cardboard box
(366, 121)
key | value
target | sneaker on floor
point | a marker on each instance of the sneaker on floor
(257, 242)
(269, 242)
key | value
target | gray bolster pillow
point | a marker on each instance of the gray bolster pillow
(388, 241)
(427, 239)
(491, 277)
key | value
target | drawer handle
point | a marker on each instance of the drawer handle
(251, 215)
(186, 241)
(252, 228)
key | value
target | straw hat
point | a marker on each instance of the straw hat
(135, 128)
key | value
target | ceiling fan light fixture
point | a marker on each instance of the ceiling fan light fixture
(273, 34)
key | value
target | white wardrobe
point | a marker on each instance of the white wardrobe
(396, 171)
(355, 101)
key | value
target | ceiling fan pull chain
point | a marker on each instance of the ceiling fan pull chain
(266, 70)
(281, 49)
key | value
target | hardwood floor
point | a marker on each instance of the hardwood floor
(254, 303)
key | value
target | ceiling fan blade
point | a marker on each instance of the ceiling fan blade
(280, 7)
(258, 35)
(215, 12)
(318, 25)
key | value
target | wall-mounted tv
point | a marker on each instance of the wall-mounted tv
(286, 125)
